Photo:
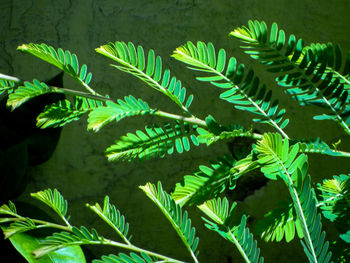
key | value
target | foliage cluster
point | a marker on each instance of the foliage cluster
(316, 74)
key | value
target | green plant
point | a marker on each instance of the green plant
(312, 75)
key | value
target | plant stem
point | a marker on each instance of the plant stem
(192, 120)
(10, 78)
(239, 247)
(42, 223)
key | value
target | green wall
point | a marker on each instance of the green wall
(78, 167)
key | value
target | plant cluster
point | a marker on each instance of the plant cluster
(315, 74)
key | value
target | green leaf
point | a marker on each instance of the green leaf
(54, 200)
(242, 87)
(112, 217)
(65, 239)
(335, 204)
(156, 141)
(179, 221)
(64, 112)
(210, 181)
(130, 106)
(318, 146)
(278, 160)
(152, 75)
(27, 92)
(303, 71)
(221, 215)
(25, 244)
(133, 258)
(278, 223)
(63, 60)
(6, 84)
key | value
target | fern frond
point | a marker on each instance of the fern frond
(130, 106)
(205, 183)
(64, 239)
(133, 258)
(278, 223)
(298, 72)
(209, 137)
(208, 182)
(180, 221)
(331, 56)
(219, 211)
(27, 92)
(278, 159)
(9, 209)
(318, 146)
(155, 141)
(54, 200)
(148, 69)
(244, 89)
(19, 227)
(6, 85)
(113, 218)
(335, 202)
(64, 111)
(61, 59)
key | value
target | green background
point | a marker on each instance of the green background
(78, 167)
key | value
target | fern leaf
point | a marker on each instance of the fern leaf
(278, 223)
(318, 146)
(63, 60)
(19, 227)
(299, 72)
(113, 218)
(27, 92)
(208, 182)
(220, 215)
(148, 69)
(64, 239)
(335, 202)
(9, 210)
(130, 106)
(6, 86)
(155, 141)
(243, 88)
(179, 221)
(64, 112)
(133, 258)
(209, 137)
(54, 200)
(330, 56)
(280, 160)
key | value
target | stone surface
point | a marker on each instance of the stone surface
(78, 167)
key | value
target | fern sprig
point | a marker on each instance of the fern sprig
(244, 90)
(180, 221)
(280, 160)
(221, 216)
(130, 106)
(113, 218)
(155, 141)
(297, 71)
(210, 181)
(278, 223)
(149, 69)
(63, 60)
(55, 201)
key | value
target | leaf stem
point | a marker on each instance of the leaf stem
(192, 120)
(239, 247)
(10, 78)
(41, 223)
